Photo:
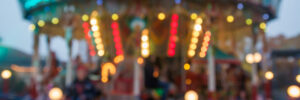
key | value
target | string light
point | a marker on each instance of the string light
(55, 20)
(194, 40)
(115, 16)
(117, 38)
(31, 27)
(97, 34)
(248, 21)
(85, 17)
(145, 52)
(173, 37)
(205, 44)
(88, 38)
(194, 16)
(161, 16)
(107, 69)
(41, 23)
(230, 19)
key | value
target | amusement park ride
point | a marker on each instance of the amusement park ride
(177, 31)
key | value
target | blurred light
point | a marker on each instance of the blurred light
(144, 38)
(193, 46)
(188, 81)
(155, 73)
(230, 19)
(257, 57)
(55, 94)
(186, 66)
(31, 27)
(240, 6)
(298, 78)
(249, 58)
(191, 53)
(145, 43)
(248, 21)
(6, 74)
(85, 17)
(177, 1)
(199, 21)
(265, 16)
(145, 53)
(55, 20)
(161, 16)
(115, 16)
(99, 2)
(140, 60)
(95, 28)
(269, 75)
(101, 52)
(262, 25)
(118, 59)
(93, 21)
(41, 23)
(205, 44)
(195, 33)
(107, 68)
(194, 16)
(293, 91)
(191, 95)
(197, 27)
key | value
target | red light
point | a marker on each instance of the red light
(175, 17)
(85, 25)
(116, 32)
(172, 45)
(171, 52)
(173, 31)
(174, 24)
(114, 25)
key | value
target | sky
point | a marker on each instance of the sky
(14, 31)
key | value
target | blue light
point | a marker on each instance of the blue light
(240, 6)
(177, 1)
(265, 16)
(99, 2)
(47, 8)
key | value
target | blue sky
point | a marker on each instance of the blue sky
(14, 29)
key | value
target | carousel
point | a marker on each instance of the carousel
(135, 46)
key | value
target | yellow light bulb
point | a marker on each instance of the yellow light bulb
(197, 27)
(230, 19)
(145, 52)
(196, 33)
(115, 17)
(194, 16)
(191, 53)
(262, 25)
(101, 52)
(85, 17)
(193, 46)
(144, 38)
(161, 16)
(93, 21)
(95, 28)
(55, 20)
(186, 66)
(298, 78)
(55, 94)
(248, 21)
(41, 23)
(199, 21)
(194, 40)
(145, 45)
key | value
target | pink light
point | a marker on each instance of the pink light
(114, 25)
(171, 53)
(173, 31)
(174, 24)
(116, 32)
(172, 45)
(175, 17)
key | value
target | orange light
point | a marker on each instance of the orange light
(140, 60)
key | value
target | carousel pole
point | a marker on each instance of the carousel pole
(36, 61)
(69, 74)
(211, 73)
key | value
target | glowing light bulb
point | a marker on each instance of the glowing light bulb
(194, 16)
(257, 57)
(197, 27)
(191, 53)
(161, 16)
(41, 23)
(248, 21)
(115, 16)
(188, 81)
(250, 58)
(55, 94)
(293, 91)
(145, 53)
(55, 20)
(140, 60)
(144, 38)
(85, 17)
(93, 21)
(101, 52)
(31, 27)
(95, 28)
(6, 74)
(191, 95)
(298, 78)
(186, 66)
(269, 75)
(262, 25)
(230, 19)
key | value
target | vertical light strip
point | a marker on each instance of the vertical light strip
(145, 52)
(194, 40)
(86, 31)
(96, 33)
(205, 44)
(173, 38)
(116, 34)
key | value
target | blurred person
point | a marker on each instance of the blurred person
(82, 88)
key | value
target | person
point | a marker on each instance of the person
(82, 88)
